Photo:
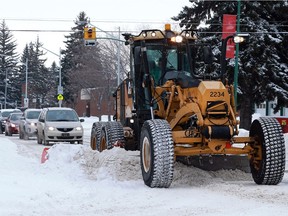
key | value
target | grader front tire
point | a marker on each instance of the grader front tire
(268, 161)
(157, 153)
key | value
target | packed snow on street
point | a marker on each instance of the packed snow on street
(76, 180)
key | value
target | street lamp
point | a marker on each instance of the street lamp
(26, 100)
(5, 89)
(237, 38)
(60, 87)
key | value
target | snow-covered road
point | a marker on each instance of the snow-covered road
(78, 181)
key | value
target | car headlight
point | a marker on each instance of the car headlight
(78, 128)
(13, 125)
(32, 124)
(51, 128)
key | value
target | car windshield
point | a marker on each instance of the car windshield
(33, 114)
(61, 115)
(15, 117)
(6, 113)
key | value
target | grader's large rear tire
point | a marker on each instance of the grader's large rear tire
(268, 161)
(110, 134)
(102, 145)
(157, 153)
(115, 134)
(95, 134)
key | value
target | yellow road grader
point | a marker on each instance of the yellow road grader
(172, 105)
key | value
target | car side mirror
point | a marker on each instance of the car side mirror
(82, 120)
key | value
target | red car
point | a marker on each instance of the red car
(12, 124)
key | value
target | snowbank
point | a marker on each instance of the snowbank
(79, 181)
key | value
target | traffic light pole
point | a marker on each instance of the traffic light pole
(111, 37)
(118, 58)
(236, 69)
(60, 87)
(118, 50)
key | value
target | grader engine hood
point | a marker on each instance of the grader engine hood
(213, 98)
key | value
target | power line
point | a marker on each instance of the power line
(135, 31)
(40, 30)
(63, 31)
(236, 0)
(37, 20)
(95, 21)
(218, 32)
(118, 21)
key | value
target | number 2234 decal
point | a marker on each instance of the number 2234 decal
(216, 94)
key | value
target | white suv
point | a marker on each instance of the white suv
(59, 124)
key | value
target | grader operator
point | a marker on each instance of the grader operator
(173, 104)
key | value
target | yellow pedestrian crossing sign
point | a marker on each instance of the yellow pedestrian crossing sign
(60, 97)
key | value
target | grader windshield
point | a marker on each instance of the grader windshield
(162, 59)
(159, 56)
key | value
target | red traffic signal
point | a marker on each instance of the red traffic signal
(90, 33)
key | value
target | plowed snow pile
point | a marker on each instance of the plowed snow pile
(79, 181)
(121, 165)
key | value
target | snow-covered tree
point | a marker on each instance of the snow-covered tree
(51, 96)
(40, 79)
(8, 62)
(263, 62)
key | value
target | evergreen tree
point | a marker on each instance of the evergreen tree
(51, 95)
(40, 78)
(263, 61)
(8, 69)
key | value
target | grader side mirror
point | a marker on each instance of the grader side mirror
(208, 55)
(137, 55)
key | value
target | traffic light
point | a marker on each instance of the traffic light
(90, 36)
(90, 33)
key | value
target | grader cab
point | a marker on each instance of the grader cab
(173, 104)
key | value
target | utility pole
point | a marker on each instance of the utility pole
(237, 54)
(118, 58)
(26, 100)
(5, 89)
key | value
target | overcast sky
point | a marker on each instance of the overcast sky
(109, 15)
